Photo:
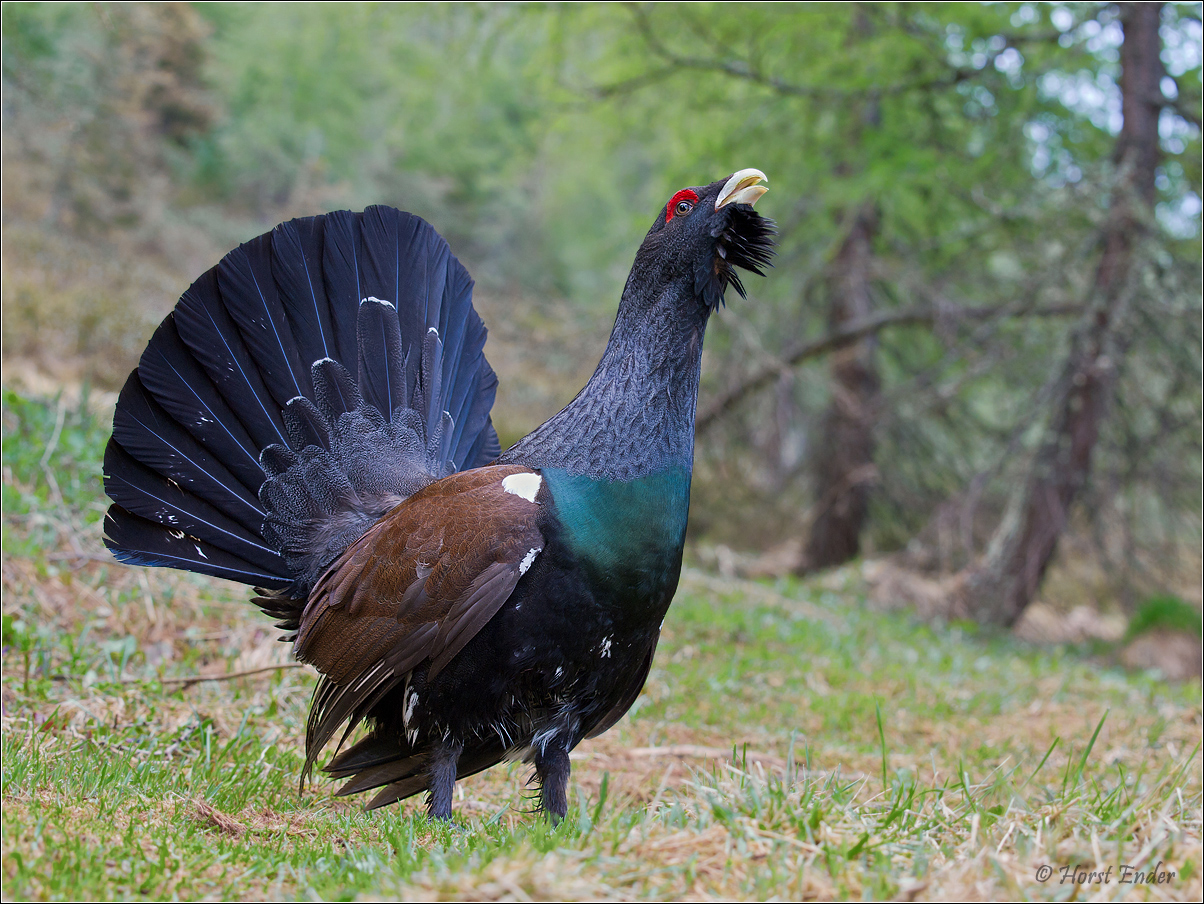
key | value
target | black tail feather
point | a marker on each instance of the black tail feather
(178, 383)
(139, 490)
(243, 445)
(137, 541)
(246, 274)
(341, 276)
(215, 341)
(297, 268)
(146, 431)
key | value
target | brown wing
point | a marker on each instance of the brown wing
(418, 585)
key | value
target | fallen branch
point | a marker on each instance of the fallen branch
(229, 676)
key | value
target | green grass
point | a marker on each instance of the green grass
(1165, 612)
(791, 742)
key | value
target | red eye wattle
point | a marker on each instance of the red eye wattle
(680, 204)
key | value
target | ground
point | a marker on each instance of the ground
(793, 741)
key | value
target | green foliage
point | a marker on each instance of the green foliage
(1166, 612)
(541, 140)
(52, 454)
(365, 118)
(104, 98)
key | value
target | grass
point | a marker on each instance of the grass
(1165, 612)
(791, 743)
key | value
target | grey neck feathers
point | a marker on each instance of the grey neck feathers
(635, 416)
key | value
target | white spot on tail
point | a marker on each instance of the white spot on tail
(527, 560)
(524, 485)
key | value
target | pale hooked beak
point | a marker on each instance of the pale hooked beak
(742, 188)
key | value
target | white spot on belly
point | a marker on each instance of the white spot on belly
(411, 702)
(604, 648)
(524, 485)
(527, 560)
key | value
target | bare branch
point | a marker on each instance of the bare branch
(854, 332)
(751, 71)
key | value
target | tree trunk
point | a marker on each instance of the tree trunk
(844, 468)
(999, 588)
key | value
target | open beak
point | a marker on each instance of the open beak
(742, 188)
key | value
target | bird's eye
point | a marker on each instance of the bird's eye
(680, 204)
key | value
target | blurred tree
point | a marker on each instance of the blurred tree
(99, 99)
(844, 466)
(982, 138)
(436, 108)
(101, 105)
(999, 588)
(944, 176)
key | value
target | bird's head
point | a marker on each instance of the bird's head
(704, 233)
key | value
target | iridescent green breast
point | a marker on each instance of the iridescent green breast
(632, 530)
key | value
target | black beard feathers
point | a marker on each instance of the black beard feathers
(746, 242)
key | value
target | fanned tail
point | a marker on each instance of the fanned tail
(313, 379)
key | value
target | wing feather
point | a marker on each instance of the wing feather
(417, 587)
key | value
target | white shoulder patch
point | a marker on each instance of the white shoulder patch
(528, 559)
(524, 485)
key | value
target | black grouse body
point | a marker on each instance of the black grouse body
(313, 419)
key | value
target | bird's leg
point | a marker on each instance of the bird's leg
(441, 779)
(552, 769)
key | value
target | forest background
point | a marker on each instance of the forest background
(979, 351)
(969, 394)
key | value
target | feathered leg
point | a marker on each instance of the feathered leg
(552, 770)
(441, 779)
